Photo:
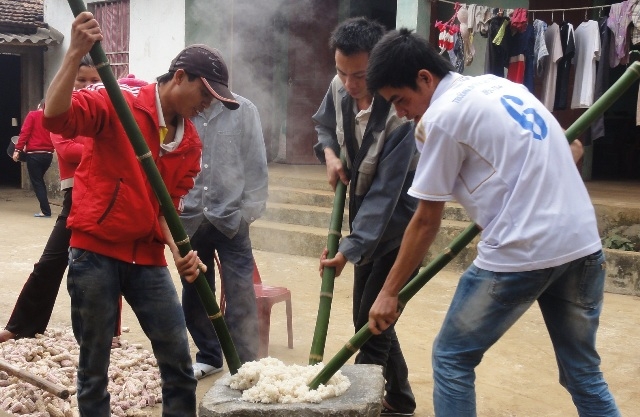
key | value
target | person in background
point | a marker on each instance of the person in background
(381, 157)
(35, 141)
(35, 302)
(229, 194)
(490, 145)
(118, 231)
(34, 305)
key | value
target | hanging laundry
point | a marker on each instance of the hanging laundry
(479, 18)
(619, 19)
(519, 21)
(467, 35)
(456, 55)
(596, 130)
(445, 38)
(447, 31)
(450, 41)
(587, 52)
(501, 32)
(497, 53)
(635, 19)
(522, 58)
(564, 66)
(554, 46)
(539, 47)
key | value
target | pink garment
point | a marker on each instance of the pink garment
(132, 81)
(619, 20)
(519, 20)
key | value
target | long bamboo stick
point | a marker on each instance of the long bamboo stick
(173, 221)
(328, 274)
(631, 75)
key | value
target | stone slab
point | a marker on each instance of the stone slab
(362, 399)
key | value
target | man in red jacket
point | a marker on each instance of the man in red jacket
(118, 233)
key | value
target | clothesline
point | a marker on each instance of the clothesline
(539, 10)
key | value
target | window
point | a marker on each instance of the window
(113, 17)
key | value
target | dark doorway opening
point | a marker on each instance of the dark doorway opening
(382, 11)
(10, 119)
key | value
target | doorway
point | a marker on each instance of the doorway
(10, 119)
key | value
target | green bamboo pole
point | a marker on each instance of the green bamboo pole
(631, 75)
(166, 204)
(409, 290)
(328, 274)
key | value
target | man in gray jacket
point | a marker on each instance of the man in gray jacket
(229, 193)
(381, 158)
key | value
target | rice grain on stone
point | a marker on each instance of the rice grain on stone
(269, 380)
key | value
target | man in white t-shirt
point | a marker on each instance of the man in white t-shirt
(493, 147)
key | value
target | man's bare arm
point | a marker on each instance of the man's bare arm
(417, 239)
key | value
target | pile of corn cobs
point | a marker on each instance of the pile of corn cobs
(134, 378)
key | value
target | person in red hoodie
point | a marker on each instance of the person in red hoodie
(118, 232)
(35, 141)
(35, 303)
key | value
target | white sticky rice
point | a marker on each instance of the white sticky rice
(269, 380)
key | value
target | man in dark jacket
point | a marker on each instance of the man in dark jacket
(381, 158)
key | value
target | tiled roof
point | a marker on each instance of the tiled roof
(42, 37)
(21, 16)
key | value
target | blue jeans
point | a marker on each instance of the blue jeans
(383, 349)
(486, 304)
(95, 283)
(241, 317)
(37, 166)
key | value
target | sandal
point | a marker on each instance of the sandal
(201, 370)
(389, 412)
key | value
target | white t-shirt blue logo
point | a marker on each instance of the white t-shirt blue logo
(537, 126)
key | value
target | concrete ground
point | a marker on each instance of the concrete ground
(518, 376)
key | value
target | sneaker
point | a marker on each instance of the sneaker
(41, 215)
(201, 370)
(389, 412)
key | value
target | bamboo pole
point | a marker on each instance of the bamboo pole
(409, 290)
(328, 274)
(173, 221)
(631, 75)
(35, 380)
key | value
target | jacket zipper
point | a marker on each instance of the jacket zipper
(112, 202)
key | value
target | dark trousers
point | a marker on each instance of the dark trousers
(236, 260)
(33, 308)
(37, 166)
(383, 349)
(35, 303)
